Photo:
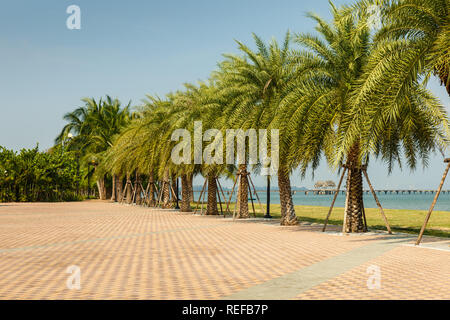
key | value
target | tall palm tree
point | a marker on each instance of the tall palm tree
(259, 80)
(327, 120)
(145, 147)
(196, 103)
(212, 105)
(93, 128)
(156, 125)
(413, 43)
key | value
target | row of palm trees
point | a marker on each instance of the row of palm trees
(346, 93)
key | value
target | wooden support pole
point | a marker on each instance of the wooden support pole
(364, 217)
(256, 194)
(146, 195)
(251, 198)
(156, 191)
(218, 195)
(378, 202)
(158, 195)
(173, 192)
(227, 210)
(232, 191)
(334, 199)
(200, 197)
(144, 191)
(133, 197)
(419, 239)
(204, 198)
(133, 190)
(347, 191)
(237, 196)
(161, 193)
(124, 192)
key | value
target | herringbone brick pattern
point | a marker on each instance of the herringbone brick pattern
(406, 273)
(129, 252)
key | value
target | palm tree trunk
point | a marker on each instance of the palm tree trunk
(190, 186)
(119, 187)
(137, 183)
(166, 190)
(151, 202)
(354, 206)
(242, 209)
(185, 194)
(211, 208)
(173, 190)
(129, 193)
(114, 188)
(101, 188)
(288, 216)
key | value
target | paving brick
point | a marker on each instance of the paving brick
(129, 252)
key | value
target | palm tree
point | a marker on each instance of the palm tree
(94, 127)
(198, 103)
(327, 120)
(212, 105)
(259, 81)
(145, 147)
(413, 43)
(152, 156)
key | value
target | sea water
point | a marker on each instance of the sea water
(388, 201)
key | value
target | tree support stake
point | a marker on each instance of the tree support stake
(419, 239)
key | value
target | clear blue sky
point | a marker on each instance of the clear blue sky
(128, 49)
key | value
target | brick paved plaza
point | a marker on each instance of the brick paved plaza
(129, 252)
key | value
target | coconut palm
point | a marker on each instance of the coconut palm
(93, 128)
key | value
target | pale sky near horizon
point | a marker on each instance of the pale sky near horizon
(129, 49)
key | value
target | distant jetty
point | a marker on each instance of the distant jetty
(381, 191)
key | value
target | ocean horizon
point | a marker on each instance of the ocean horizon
(388, 201)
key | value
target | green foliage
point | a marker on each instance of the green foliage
(345, 85)
(30, 175)
(253, 86)
(91, 130)
(324, 97)
(334, 105)
(390, 111)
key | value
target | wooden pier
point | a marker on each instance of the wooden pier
(381, 191)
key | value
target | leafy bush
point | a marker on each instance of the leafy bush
(30, 175)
